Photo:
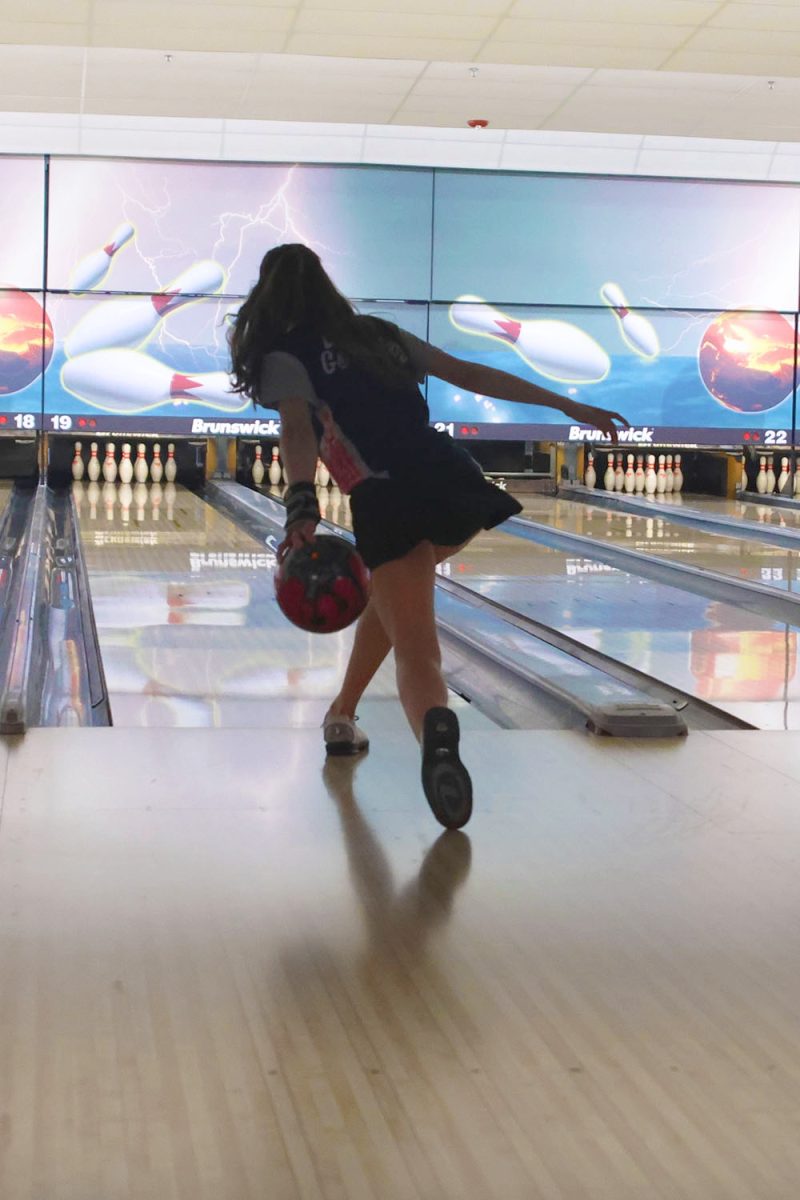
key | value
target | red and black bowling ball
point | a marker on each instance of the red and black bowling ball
(323, 586)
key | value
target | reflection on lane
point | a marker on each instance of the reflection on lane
(746, 510)
(721, 654)
(189, 630)
(715, 652)
(727, 656)
(656, 535)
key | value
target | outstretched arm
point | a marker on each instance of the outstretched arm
(299, 454)
(502, 385)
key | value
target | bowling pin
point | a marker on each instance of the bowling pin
(650, 480)
(126, 466)
(636, 330)
(316, 473)
(336, 503)
(93, 469)
(140, 466)
(619, 475)
(590, 478)
(130, 382)
(677, 475)
(743, 476)
(770, 476)
(553, 348)
(609, 477)
(275, 467)
(670, 474)
(661, 478)
(797, 478)
(129, 322)
(258, 468)
(630, 476)
(761, 477)
(322, 500)
(93, 269)
(157, 467)
(639, 477)
(783, 478)
(77, 463)
(324, 474)
(110, 464)
(171, 468)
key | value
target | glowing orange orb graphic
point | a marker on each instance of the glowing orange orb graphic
(746, 360)
(26, 340)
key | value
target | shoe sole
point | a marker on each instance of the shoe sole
(445, 779)
(344, 745)
(345, 749)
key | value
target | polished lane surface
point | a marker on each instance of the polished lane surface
(656, 535)
(778, 515)
(190, 633)
(744, 664)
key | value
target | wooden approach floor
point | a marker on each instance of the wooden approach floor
(229, 974)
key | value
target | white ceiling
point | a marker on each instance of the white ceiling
(673, 67)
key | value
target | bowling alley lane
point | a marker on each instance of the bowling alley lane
(189, 631)
(657, 536)
(744, 664)
(726, 656)
(779, 515)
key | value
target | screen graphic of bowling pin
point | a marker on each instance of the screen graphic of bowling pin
(93, 269)
(129, 382)
(556, 349)
(130, 322)
(636, 330)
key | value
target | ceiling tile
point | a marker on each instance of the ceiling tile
(592, 33)
(662, 12)
(393, 24)
(757, 17)
(454, 9)
(571, 55)
(41, 70)
(746, 41)
(357, 45)
(46, 12)
(768, 65)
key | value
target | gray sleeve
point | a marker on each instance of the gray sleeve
(417, 351)
(284, 375)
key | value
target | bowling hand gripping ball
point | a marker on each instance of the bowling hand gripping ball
(322, 586)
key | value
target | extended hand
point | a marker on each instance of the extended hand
(300, 534)
(598, 418)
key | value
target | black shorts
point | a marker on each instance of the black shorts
(444, 500)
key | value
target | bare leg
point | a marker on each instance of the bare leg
(370, 647)
(402, 592)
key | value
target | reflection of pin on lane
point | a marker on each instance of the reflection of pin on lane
(127, 381)
(93, 269)
(637, 331)
(130, 322)
(553, 348)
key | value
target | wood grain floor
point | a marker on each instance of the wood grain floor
(229, 974)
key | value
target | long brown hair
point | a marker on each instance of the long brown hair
(295, 292)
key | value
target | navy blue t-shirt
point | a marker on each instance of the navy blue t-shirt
(380, 425)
